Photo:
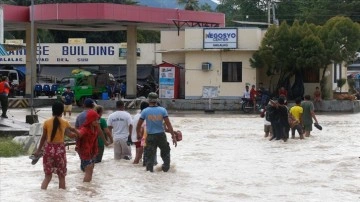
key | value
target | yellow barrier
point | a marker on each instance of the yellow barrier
(18, 103)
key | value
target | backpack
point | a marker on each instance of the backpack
(270, 113)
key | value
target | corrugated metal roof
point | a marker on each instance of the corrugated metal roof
(2, 50)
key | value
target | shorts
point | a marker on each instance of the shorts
(54, 159)
(121, 149)
(308, 127)
(67, 108)
(138, 144)
(297, 128)
(85, 163)
(267, 129)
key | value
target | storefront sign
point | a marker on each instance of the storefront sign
(220, 38)
(166, 82)
(69, 54)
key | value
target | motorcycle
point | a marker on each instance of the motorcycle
(145, 89)
(247, 105)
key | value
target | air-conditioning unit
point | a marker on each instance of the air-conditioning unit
(205, 66)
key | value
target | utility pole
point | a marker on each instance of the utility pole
(1, 24)
(269, 14)
(33, 118)
(275, 21)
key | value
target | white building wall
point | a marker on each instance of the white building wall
(194, 55)
(170, 40)
(187, 50)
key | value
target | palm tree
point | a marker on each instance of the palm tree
(190, 4)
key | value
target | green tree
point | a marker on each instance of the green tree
(10, 2)
(206, 7)
(190, 4)
(311, 11)
(243, 10)
(290, 51)
(320, 11)
(341, 39)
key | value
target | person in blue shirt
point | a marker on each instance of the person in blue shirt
(155, 116)
(68, 99)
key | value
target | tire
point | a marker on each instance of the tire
(246, 107)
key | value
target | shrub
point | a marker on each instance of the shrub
(9, 148)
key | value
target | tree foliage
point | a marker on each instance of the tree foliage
(311, 11)
(291, 50)
(190, 4)
(243, 10)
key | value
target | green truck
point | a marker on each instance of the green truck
(85, 84)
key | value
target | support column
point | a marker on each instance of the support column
(1, 24)
(30, 61)
(131, 63)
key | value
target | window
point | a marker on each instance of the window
(67, 82)
(337, 72)
(232, 72)
(12, 76)
(311, 76)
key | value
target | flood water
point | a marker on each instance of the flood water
(222, 157)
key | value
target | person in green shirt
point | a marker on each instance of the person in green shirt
(308, 115)
(107, 134)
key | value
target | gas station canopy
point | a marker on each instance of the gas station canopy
(106, 17)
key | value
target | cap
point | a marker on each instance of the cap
(153, 97)
(89, 103)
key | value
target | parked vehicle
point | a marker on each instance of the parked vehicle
(146, 88)
(247, 105)
(85, 84)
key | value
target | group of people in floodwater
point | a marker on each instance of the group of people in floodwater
(146, 130)
(279, 119)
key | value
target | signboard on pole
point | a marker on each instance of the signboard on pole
(166, 82)
(210, 91)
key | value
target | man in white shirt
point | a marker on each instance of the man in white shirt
(246, 92)
(120, 124)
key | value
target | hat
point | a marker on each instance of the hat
(89, 103)
(153, 97)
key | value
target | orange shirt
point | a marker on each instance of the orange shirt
(4, 87)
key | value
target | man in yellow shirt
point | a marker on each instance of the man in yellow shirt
(296, 113)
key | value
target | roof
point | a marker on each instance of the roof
(104, 17)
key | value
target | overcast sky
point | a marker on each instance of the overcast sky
(216, 1)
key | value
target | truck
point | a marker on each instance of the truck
(85, 84)
(16, 80)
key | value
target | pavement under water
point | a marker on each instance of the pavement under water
(222, 157)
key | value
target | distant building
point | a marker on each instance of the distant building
(218, 58)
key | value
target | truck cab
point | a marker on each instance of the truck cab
(86, 85)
